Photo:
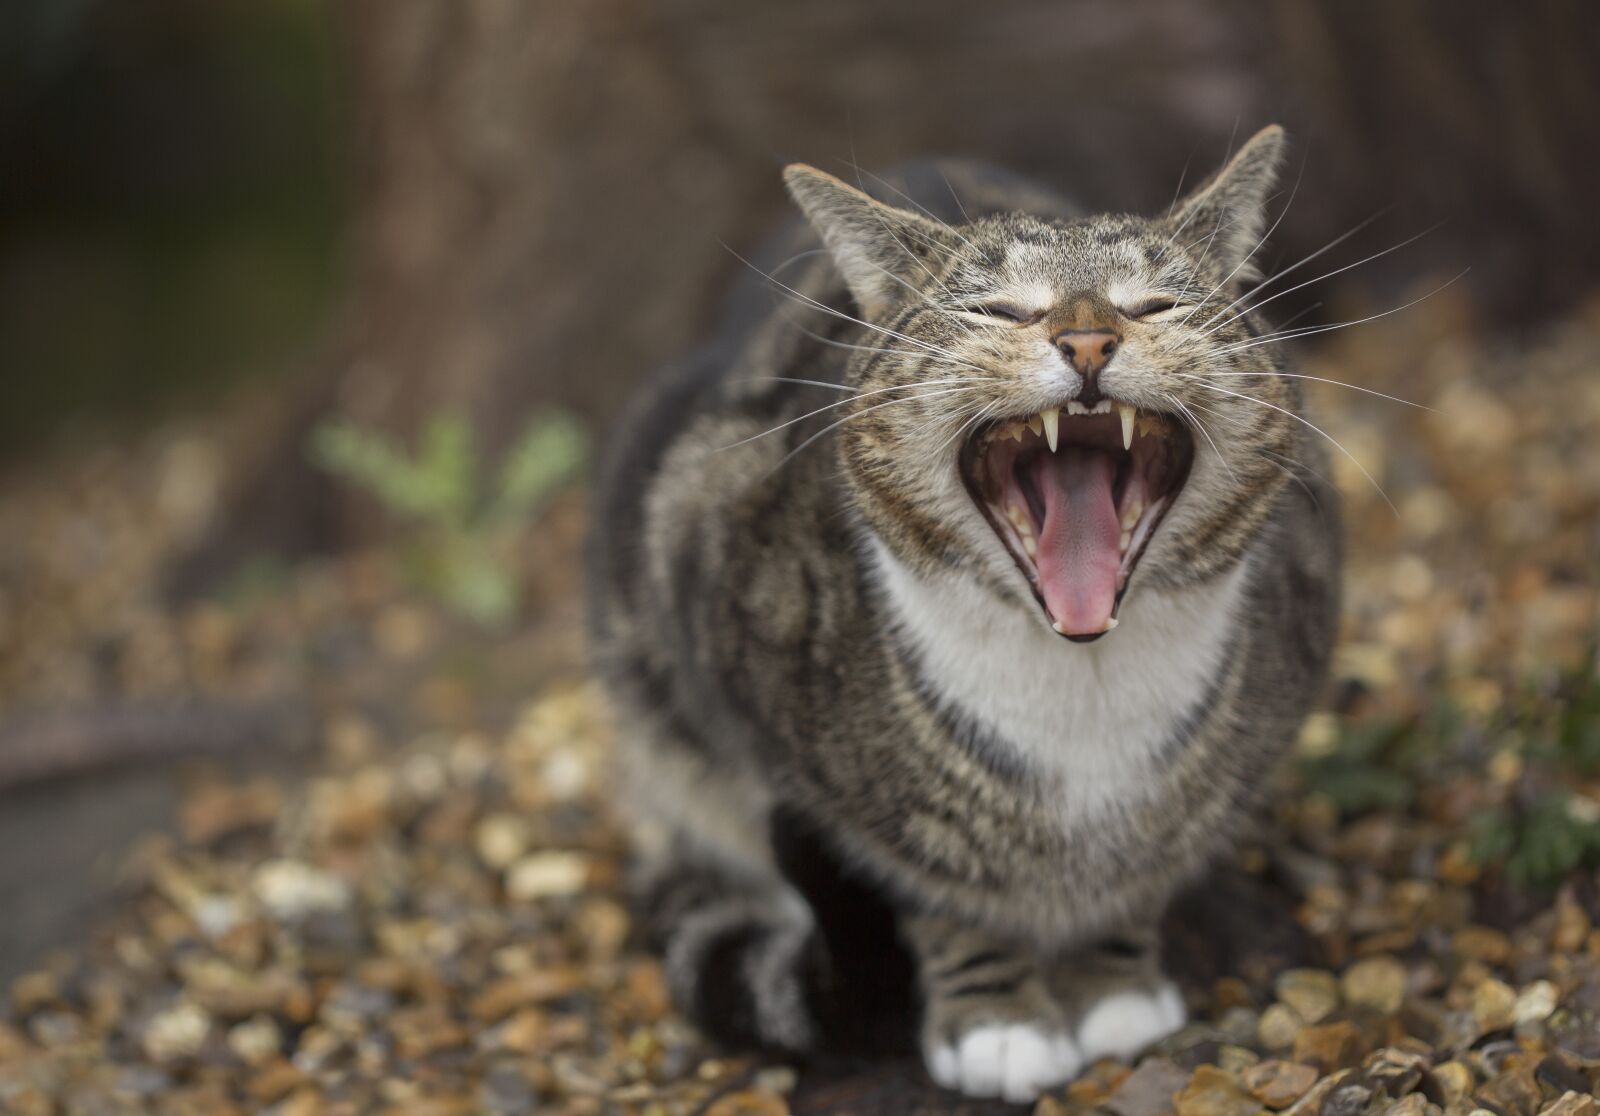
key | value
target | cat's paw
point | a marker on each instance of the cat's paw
(1126, 1022)
(1016, 1061)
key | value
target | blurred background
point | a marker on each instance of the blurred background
(311, 316)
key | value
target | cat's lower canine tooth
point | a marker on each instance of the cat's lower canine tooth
(1051, 416)
(1129, 413)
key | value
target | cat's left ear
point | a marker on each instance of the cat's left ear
(879, 249)
(1224, 217)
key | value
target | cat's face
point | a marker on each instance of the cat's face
(1063, 411)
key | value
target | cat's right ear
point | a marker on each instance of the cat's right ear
(879, 249)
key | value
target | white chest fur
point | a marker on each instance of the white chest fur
(1089, 718)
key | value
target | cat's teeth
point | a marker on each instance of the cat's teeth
(1131, 516)
(1102, 408)
(1015, 431)
(1129, 413)
(1051, 417)
(1035, 425)
(1029, 547)
(1076, 408)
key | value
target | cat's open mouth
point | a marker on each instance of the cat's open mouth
(1076, 494)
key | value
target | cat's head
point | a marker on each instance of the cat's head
(1063, 410)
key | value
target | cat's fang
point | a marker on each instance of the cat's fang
(1129, 413)
(1051, 417)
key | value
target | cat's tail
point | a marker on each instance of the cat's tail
(803, 965)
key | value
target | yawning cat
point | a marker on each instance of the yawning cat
(956, 602)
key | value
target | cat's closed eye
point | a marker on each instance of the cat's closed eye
(1003, 311)
(1150, 307)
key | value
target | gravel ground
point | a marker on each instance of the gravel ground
(423, 914)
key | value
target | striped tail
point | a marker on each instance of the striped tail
(809, 964)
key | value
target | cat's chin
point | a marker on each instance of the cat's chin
(1075, 494)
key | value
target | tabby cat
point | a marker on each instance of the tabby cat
(956, 602)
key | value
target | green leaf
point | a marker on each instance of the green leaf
(449, 465)
(550, 452)
(374, 463)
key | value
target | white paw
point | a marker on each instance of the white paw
(1017, 1061)
(1123, 1024)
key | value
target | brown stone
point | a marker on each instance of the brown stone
(536, 986)
(1413, 1105)
(1452, 1080)
(749, 1102)
(1514, 1092)
(1572, 1104)
(1378, 983)
(1494, 1005)
(1329, 1046)
(1149, 1089)
(1312, 993)
(1211, 1092)
(1482, 943)
(1279, 1026)
(1278, 1084)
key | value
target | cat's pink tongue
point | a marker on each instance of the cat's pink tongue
(1078, 545)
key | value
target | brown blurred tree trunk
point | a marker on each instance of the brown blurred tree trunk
(544, 188)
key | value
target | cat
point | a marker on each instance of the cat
(955, 602)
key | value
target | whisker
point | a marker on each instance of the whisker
(826, 309)
(935, 356)
(1200, 426)
(796, 380)
(1318, 379)
(971, 423)
(1272, 298)
(1309, 330)
(1307, 422)
(842, 402)
(1264, 237)
(955, 197)
(866, 411)
(1267, 282)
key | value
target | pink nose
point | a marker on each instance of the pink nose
(1088, 351)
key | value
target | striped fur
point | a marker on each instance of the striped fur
(861, 770)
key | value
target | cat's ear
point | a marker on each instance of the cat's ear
(879, 249)
(1224, 217)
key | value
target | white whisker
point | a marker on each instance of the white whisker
(1318, 379)
(852, 399)
(1309, 330)
(1210, 329)
(1267, 282)
(866, 411)
(1308, 423)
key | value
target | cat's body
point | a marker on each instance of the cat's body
(829, 669)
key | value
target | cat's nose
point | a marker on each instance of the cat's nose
(1088, 351)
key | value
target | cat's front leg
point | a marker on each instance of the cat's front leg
(990, 1025)
(1116, 994)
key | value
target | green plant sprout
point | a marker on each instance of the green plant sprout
(460, 525)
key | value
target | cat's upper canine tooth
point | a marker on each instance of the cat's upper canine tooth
(1051, 418)
(1129, 413)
